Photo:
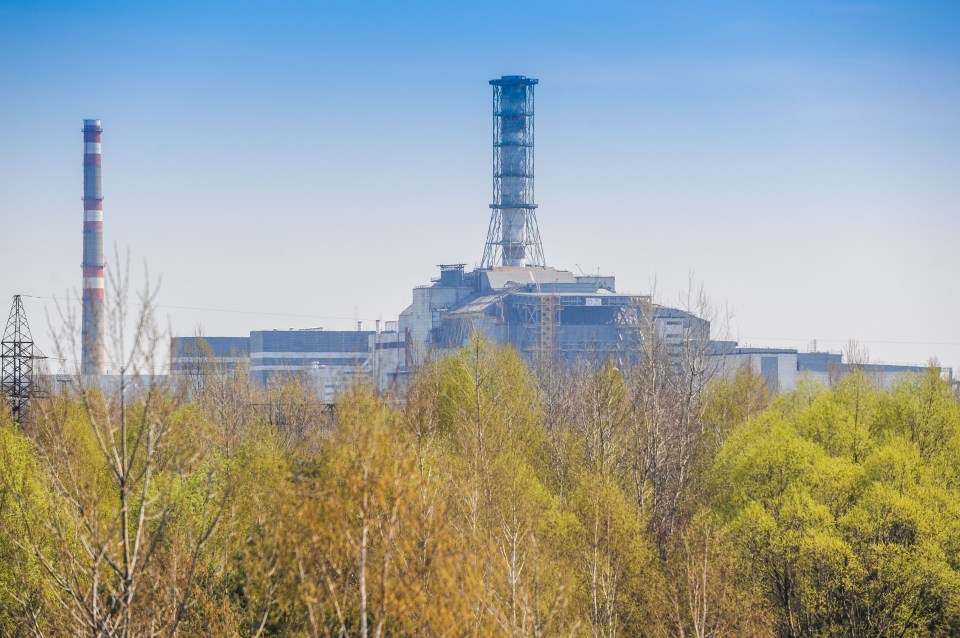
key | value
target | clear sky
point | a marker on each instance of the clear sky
(305, 163)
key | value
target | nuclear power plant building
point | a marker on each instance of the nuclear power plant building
(513, 298)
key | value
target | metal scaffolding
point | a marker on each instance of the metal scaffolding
(630, 321)
(549, 309)
(513, 238)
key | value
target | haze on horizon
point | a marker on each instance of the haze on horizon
(304, 164)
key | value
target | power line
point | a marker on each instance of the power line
(882, 341)
(227, 310)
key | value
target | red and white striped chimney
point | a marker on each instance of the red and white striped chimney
(92, 360)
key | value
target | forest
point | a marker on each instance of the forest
(496, 498)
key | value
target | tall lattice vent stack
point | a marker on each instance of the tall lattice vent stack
(91, 359)
(513, 238)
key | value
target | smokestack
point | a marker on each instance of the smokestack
(513, 238)
(91, 361)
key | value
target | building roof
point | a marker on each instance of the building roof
(514, 79)
(750, 350)
(504, 277)
(475, 306)
(310, 340)
(215, 346)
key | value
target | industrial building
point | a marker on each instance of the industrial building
(533, 308)
(513, 297)
(783, 368)
(327, 359)
(203, 355)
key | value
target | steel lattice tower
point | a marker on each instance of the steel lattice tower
(18, 354)
(513, 238)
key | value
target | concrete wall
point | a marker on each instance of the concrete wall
(194, 354)
(424, 313)
(778, 367)
(302, 353)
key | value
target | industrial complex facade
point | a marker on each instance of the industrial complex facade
(512, 298)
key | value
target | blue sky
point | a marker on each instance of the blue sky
(315, 160)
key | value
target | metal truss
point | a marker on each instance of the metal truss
(18, 354)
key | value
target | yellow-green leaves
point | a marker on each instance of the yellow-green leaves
(23, 508)
(582, 502)
(846, 505)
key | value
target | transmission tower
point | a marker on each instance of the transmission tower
(18, 354)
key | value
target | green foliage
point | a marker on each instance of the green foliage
(729, 402)
(616, 562)
(826, 511)
(846, 503)
(22, 510)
